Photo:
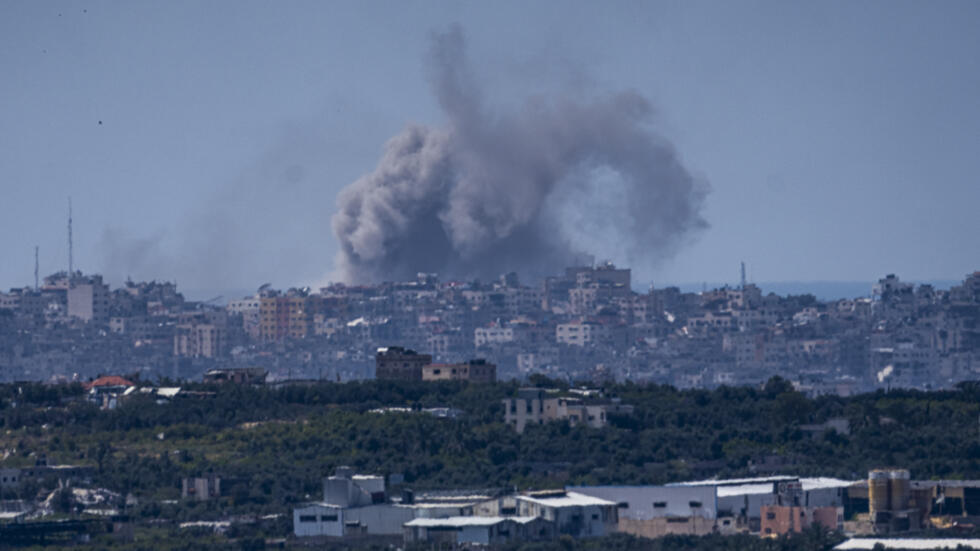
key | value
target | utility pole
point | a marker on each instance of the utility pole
(71, 265)
(35, 268)
(743, 275)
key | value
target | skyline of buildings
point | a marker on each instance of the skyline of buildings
(585, 323)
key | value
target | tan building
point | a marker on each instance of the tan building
(580, 333)
(476, 371)
(199, 340)
(397, 363)
(290, 316)
(537, 406)
(201, 334)
(777, 520)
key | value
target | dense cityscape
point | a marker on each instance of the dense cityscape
(581, 350)
(485, 225)
(586, 324)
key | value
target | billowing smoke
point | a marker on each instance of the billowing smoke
(527, 190)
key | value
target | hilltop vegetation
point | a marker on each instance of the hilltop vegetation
(273, 446)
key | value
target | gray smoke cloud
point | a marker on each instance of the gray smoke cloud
(522, 190)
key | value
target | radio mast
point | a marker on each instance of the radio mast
(71, 265)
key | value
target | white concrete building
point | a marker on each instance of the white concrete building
(491, 530)
(655, 511)
(575, 514)
(358, 505)
(580, 333)
(325, 519)
(536, 406)
(483, 336)
(88, 299)
(743, 498)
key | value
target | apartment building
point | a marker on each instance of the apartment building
(476, 371)
(397, 363)
(199, 340)
(581, 333)
(88, 299)
(537, 406)
(287, 316)
(250, 309)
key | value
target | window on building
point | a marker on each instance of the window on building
(694, 504)
(623, 505)
(770, 516)
(307, 518)
(659, 504)
(328, 518)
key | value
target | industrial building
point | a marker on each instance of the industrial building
(577, 515)
(474, 530)
(359, 505)
(352, 505)
(890, 502)
(655, 511)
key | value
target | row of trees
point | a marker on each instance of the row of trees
(272, 446)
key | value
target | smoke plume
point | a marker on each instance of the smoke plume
(526, 190)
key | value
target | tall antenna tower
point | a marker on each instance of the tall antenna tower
(35, 267)
(71, 265)
(743, 275)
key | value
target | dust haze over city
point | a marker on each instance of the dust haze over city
(518, 276)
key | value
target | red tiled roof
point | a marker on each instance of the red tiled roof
(109, 380)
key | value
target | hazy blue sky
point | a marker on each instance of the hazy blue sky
(841, 140)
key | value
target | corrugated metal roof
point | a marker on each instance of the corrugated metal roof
(736, 481)
(569, 499)
(465, 521)
(821, 482)
(745, 489)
